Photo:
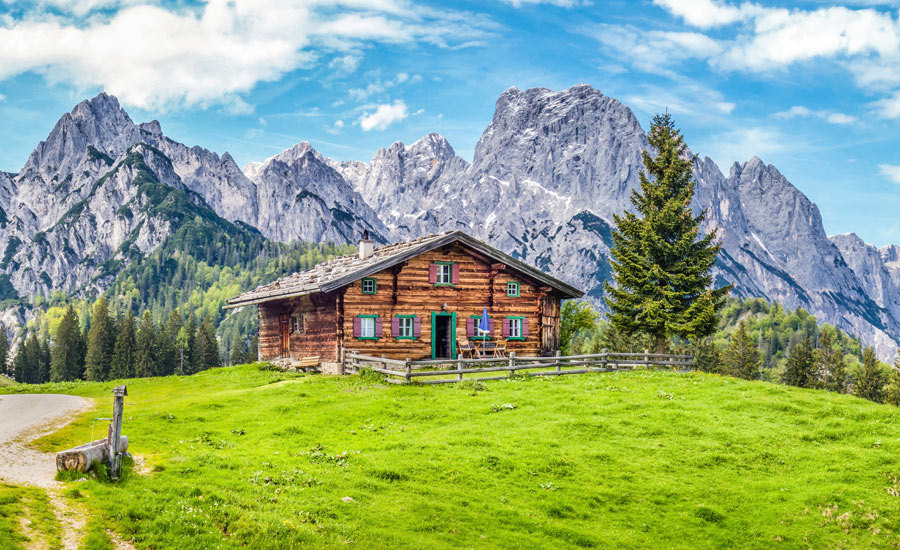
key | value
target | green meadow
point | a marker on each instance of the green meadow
(244, 457)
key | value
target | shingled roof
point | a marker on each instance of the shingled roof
(344, 270)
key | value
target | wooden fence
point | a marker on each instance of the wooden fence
(445, 371)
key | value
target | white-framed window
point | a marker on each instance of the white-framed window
(297, 323)
(515, 327)
(367, 327)
(445, 274)
(406, 327)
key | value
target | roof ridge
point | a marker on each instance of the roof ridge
(343, 270)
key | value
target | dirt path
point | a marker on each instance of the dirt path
(23, 418)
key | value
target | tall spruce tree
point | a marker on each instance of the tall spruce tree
(168, 345)
(146, 347)
(239, 352)
(205, 354)
(800, 367)
(27, 361)
(741, 357)
(661, 261)
(870, 377)
(66, 359)
(124, 352)
(5, 363)
(891, 394)
(100, 343)
(253, 354)
(830, 364)
(187, 343)
(44, 360)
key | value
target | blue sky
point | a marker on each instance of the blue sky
(811, 87)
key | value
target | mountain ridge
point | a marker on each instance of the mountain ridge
(548, 173)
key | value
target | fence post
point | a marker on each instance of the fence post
(604, 360)
(558, 364)
(408, 370)
(115, 435)
(646, 358)
(459, 368)
(512, 363)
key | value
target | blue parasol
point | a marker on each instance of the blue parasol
(484, 326)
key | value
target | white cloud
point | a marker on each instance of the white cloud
(707, 13)
(890, 171)
(653, 51)
(345, 64)
(827, 116)
(682, 97)
(557, 3)
(888, 107)
(339, 123)
(728, 147)
(384, 116)
(378, 85)
(753, 38)
(2, 98)
(163, 58)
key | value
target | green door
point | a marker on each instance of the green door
(443, 335)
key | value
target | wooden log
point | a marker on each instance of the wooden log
(81, 458)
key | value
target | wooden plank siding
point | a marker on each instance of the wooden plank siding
(319, 334)
(405, 290)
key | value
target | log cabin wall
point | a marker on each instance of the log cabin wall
(313, 335)
(405, 290)
(270, 328)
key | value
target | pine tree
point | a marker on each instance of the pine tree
(44, 360)
(830, 364)
(707, 357)
(25, 362)
(5, 365)
(661, 261)
(742, 356)
(66, 360)
(168, 345)
(205, 354)
(146, 352)
(253, 354)
(100, 343)
(187, 343)
(870, 378)
(800, 368)
(124, 352)
(892, 389)
(239, 352)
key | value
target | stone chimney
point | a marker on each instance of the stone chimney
(366, 246)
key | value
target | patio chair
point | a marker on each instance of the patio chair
(466, 349)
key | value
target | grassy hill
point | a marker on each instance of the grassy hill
(243, 457)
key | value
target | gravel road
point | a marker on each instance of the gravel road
(27, 416)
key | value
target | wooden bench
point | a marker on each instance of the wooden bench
(307, 363)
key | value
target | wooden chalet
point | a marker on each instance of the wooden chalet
(421, 299)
